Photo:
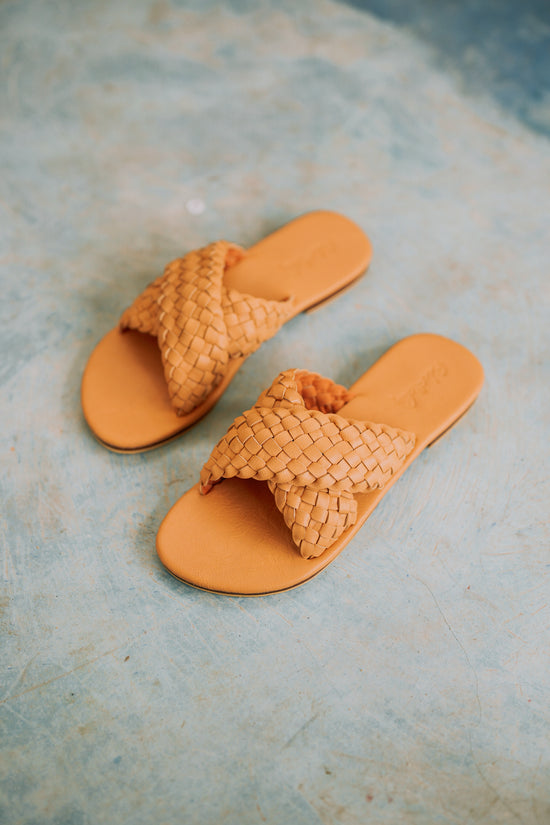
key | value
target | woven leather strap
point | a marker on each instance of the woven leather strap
(200, 323)
(312, 459)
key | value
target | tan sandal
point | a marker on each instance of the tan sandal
(325, 463)
(181, 342)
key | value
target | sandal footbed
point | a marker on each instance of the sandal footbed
(124, 395)
(234, 540)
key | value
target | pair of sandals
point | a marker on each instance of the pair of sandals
(327, 454)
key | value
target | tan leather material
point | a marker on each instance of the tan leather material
(200, 324)
(312, 460)
(235, 540)
(136, 394)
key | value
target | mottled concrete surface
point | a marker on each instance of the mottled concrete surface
(408, 683)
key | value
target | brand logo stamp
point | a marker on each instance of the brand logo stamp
(412, 397)
(310, 257)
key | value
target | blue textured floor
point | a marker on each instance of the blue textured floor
(498, 47)
(409, 682)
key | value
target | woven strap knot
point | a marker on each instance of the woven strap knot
(313, 459)
(200, 324)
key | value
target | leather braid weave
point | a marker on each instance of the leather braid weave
(313, 460)
(200, 323)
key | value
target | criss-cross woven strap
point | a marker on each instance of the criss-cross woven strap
(313, 459)
(201, 324)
